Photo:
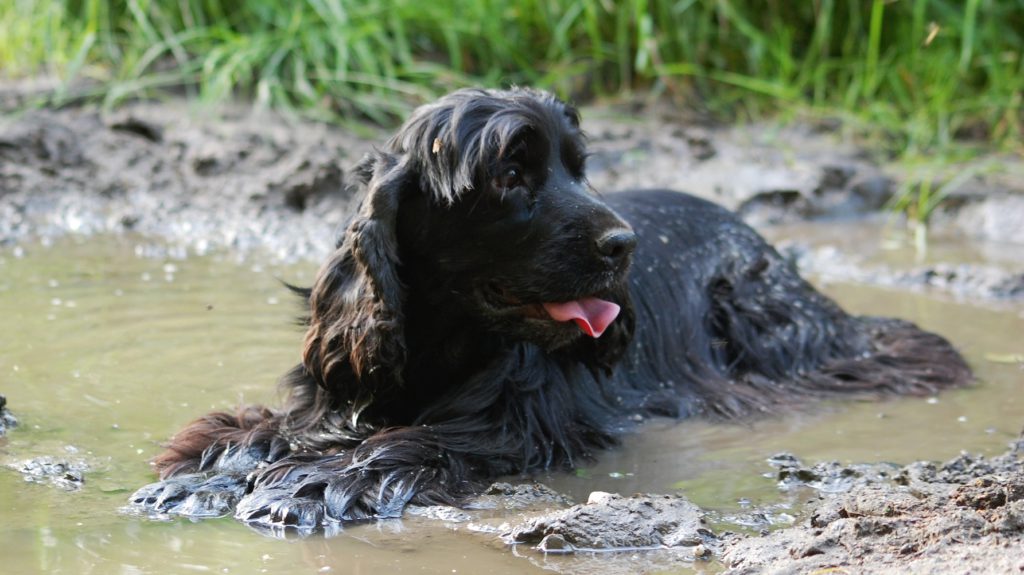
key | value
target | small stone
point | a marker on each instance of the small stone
(554, 543)
(599, 497)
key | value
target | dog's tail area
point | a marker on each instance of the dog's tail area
(224, 442)
(904, 360)
(899, 359)
(763, 340)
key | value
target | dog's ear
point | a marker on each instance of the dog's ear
(356, 318)
(603, 353)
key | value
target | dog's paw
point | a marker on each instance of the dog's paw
(283, 508)
(307, 495)
(290, 494)
(195, 495)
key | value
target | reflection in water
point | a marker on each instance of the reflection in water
(110, 354)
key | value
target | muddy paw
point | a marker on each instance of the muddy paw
(194, 495)
(273, 509)
(317, 494)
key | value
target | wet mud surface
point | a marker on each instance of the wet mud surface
(67, 473)
(190, 182)
(958, 279)
(962, 516)
(609, 521)
(200, 180)
(243, 183)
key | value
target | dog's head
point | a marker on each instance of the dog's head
(480, 204)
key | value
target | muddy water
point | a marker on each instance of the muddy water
(103, 354)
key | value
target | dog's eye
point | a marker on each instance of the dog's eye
(510, 179)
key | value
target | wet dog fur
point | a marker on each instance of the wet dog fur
(430, 364)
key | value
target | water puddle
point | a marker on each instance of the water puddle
(104, 354)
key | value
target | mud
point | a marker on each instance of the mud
(612, 522)
(66, 473)
(962, 280)
(184, 181)
(963, 516)
(171, 174)
(7, 419)
(608, 535)
(194, 180)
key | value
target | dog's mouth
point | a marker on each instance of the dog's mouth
(591, 314)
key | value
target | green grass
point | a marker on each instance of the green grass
(925, 72)
(918, 198)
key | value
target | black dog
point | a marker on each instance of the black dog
(480, 317)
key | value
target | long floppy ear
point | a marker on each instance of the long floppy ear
(356, 304)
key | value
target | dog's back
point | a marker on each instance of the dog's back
(725, 325)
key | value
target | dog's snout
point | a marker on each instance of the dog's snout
(617, 245)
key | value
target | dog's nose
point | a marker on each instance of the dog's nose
(617, 245)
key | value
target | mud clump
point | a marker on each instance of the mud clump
(63, 473)
(512, 497)
(828, 477)
(964, 516)
(614, 523)
(7, 419)
(497, 500)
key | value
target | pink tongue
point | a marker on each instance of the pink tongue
(591, 314)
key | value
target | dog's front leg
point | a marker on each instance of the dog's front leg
(377, 479)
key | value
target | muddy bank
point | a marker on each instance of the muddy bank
(169, 173)
(962, 516)
(609, 522)
(187, 180)
(66, 473)
(962, 280)
(182, 183)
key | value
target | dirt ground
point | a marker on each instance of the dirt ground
(186, 181)
(192, 180)
(963, 516)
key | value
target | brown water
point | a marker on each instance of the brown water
(104, 354)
